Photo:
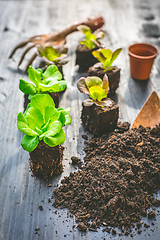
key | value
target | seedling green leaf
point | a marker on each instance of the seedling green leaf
(99, 56)
(24, 127)
(52, 87)
(27, 88)
(49, 81)
(42, 121)
(91, 39)
(41, 101)
(53, 55)
(115, 54)
(106, 57)
(97, 93)
(34, 118)
(93, 81)
(105, 83)
(94, 86)
(51, 74)
(51, 114)
(65, 117)
(29, 143)
(81, 85)
(34, 75)
(53, 129)
(58, 139)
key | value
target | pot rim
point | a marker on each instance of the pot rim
(151, 46)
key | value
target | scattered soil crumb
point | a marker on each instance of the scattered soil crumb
(49, 185)
(151, 214)
(82, 227)
(76, 161)
(84, 136)
(40, 208)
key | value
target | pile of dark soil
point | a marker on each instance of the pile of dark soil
(115, 187)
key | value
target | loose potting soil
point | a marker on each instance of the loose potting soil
(116, 186)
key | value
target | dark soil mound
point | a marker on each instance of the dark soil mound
(115, 187)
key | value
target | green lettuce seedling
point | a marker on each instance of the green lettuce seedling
(42, 121)
(106, 57)
(91, 40)
(95, 87)
(49, 81)
(53, 55)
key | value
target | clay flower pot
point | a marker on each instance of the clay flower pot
(142, 56)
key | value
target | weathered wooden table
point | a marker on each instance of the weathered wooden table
(126, 22)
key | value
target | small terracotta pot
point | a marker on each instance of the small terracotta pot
(142, 56)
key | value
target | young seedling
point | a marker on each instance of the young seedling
(100, 113)
(106, 57)
(95, 87)
(49, 81)
(42, 121)
(53, 55)
(91, 40)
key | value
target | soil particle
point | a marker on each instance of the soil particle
(82, 227)
(113, 231)
(146, 225)
(139, 224)
(49, 185)
(121, 127)
(115, 187)
(76, 161)
(84, 136)
(151, 214)
(40, 208)
(139, 231)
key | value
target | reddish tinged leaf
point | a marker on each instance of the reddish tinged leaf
(81, 85)
(106, 83)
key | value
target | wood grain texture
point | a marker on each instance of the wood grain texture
(126, 22)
